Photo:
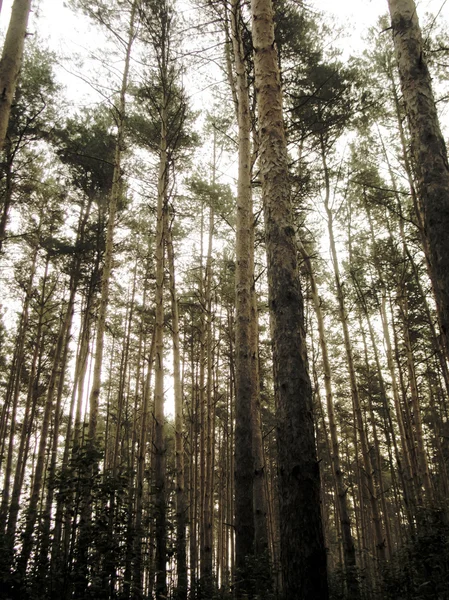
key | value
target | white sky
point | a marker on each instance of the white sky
(64, 31)
(69, 35)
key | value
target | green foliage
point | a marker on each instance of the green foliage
(86, 144)
(216, 195)
(323, 100)
(297, 33)
(420, 570)
(33, 113)
(144, 123)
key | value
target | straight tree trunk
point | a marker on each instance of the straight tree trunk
(181, 563)
(159, 418)
(14, 384)
(340, 488)
(206, 388)
(245, 358)
(108, 255)
(49, 410)
(11, 61)
(193, 473)
(358, 413)
(51, 468)
(137, 588)
(10, 156)
(428, 148)
(25, 437)
(303, 553)
(84, 539)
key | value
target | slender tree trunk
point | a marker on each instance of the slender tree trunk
(302, 543)
(51, 470)
(340, 487)
(423, 466)
(85, 519)
(14, 384)
(137, 589)
(108, 255)
(133, 465)
(9, 190)
(378, 471)
(245, 358)
(193, 476)
(11, 61)
(231, 459)
(25, 437)
(358, 413)
(181, 563)
(49, 410)
(159, 418)
(206, 408)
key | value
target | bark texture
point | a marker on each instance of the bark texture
(428, 148)
(302, 544)
(12, 60)
(245, 383)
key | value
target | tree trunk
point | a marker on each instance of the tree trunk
(245, 358)
(358, 413)
(303, 553)
(428, 148)
(340, 488)
(14, 384)
(137, 590)
(181, 563)
(49, 409)
(11, 61)
(84, 539)
(159, 418)
(108, 255)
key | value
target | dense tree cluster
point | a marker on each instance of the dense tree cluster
(213, 389)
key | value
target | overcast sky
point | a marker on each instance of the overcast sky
(69, 35)
(356, 14)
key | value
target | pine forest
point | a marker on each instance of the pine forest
(224, 301)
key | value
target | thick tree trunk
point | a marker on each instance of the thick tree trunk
(428, 148)
(303, 553)
(11, 61)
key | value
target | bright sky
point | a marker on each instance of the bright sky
(357, 15)
(70, 35)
